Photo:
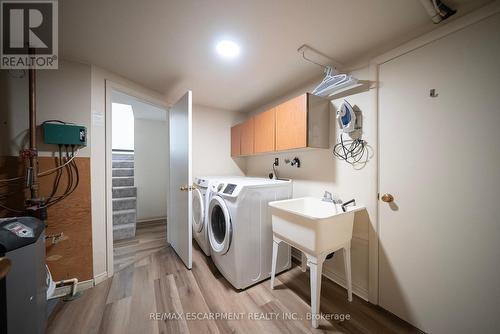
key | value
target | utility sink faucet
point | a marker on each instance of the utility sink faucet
(329, 197)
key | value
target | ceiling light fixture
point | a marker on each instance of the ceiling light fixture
(227, 49)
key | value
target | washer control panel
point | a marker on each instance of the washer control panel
(201, 182)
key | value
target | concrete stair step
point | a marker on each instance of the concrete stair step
(122, 156)
(123, 231)
(121, 192)
(123, 172)
(124, 217)
(123, 164)
(122, 181)
(124, 203)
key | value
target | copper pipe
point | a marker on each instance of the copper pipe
(32, 107)
(32, 133)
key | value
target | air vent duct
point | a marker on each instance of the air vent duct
(437, 10)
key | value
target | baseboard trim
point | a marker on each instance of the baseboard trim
(100, 278)
(356, 289)
(336, 278)
(138, 221)
(84, 285)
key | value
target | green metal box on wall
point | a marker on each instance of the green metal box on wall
(64, 134)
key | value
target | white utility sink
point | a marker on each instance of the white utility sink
(312, 225)
(316, 228)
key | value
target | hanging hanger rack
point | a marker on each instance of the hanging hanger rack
(334, 80)
(325, 67)
(334, 64)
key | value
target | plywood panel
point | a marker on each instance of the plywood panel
(72, 256)
(236, 140)
(291, 124)
(11, 193)
(247, 137)
(264, 134)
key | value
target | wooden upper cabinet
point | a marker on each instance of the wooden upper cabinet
(247, 137)
(264, 131)
(291, 124)
(301, 122)
(236, 140)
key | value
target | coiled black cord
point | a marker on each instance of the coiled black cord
(352, 151)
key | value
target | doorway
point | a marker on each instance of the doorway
(139, 178)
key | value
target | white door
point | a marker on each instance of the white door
(179, 232)
(440, 160)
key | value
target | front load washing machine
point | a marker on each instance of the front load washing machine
(201, 198)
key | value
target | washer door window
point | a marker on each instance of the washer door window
(198, 211)
(219, 226)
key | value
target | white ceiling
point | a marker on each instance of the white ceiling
(168, 45)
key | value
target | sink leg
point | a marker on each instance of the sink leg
(347, 265)
(276, 244)
(303, 264)
(316, 268)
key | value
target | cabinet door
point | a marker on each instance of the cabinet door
(264, 134)
(291, 124)
(247, 144)
(236, 140)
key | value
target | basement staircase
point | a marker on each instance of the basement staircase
(124, 196)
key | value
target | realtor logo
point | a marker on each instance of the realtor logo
(29, 34)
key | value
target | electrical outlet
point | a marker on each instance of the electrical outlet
(276, 161)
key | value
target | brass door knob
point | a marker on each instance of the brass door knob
(388, 198)
(5, 265)
(183, 188)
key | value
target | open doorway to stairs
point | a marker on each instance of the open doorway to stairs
(139, 137)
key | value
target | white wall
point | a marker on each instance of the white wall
(212, 142)
(122, 132)
(151, 168)
(99, 77)
(62, 94)
(320, 171)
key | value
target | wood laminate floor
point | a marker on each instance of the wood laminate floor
(150, 237)
(160, 283)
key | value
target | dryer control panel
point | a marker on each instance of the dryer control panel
(229, 189)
